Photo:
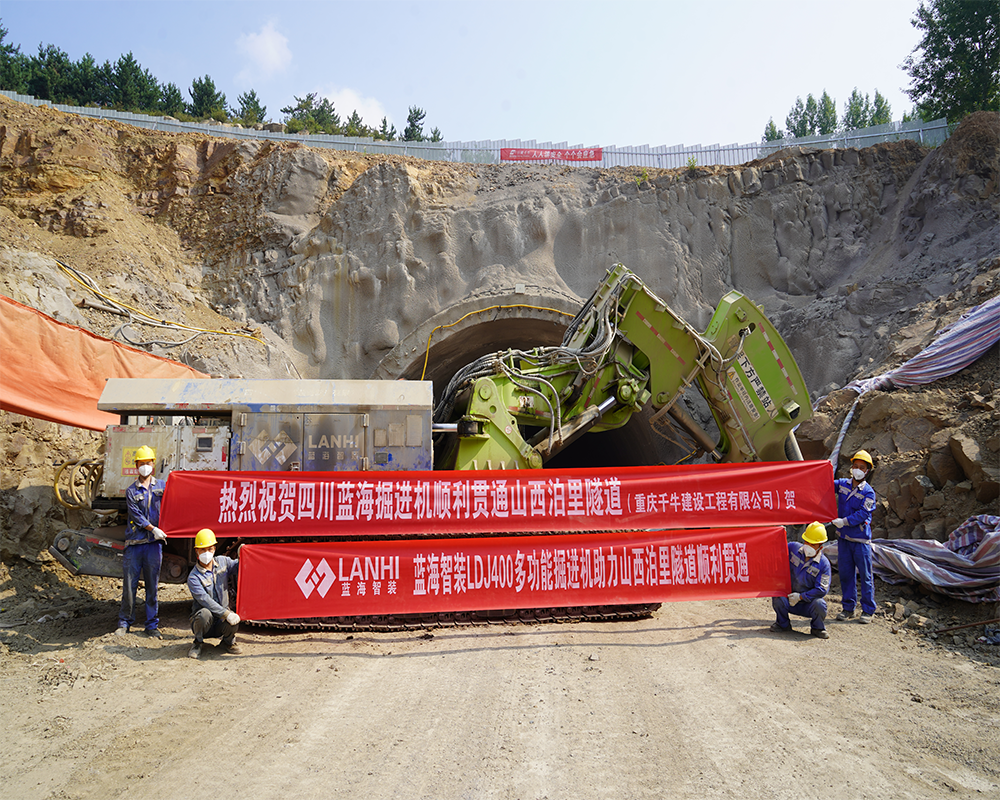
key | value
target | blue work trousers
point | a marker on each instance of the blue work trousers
(204, 624)
(854, 559)
(141, 561)
(814, 609)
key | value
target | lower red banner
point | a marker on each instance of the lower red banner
(333, 579)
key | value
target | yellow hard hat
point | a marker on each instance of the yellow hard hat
(815, 533)
(145, 453)
(862, 455)
(204, 538)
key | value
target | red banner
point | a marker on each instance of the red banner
(324, 504)
(529, 154)
(331, 579)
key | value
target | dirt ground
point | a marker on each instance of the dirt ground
(698, 701)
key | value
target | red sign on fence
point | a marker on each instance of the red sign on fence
(330, 579)
(530, 154)
(325, 504)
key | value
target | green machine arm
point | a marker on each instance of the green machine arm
(627, 349)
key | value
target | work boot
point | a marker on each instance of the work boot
(864, 619)
(819, 634)
(155, 634)
(776, 628)
(844, 615)
(230, 646)
(195, 650)
(122, 630)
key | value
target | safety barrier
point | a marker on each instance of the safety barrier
(678, 156)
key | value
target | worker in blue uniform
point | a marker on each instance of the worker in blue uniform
(143, 544)
(855, 504)
(810, 572)
(208, 583)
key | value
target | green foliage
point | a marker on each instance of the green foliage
(771, 132)
(171, 100)
(132, 87)
(206, 100)
(250, 111)
(955, 69)
(826, 116)
(414, 131)
(355, 126)
(802, 120)
(312, 116)
(860, 112)
(386, 132)
(692, 164)
(13, 66)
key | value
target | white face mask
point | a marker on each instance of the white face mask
(146, 470)
(858, 474)
(808, 551)
(206, 557)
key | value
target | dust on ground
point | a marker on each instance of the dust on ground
(698, 700)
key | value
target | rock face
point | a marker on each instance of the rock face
(344, 264)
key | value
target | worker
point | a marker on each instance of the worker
(810, 571)
(143, 544)
(855, 504)
(208, 583)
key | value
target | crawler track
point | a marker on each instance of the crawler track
(416, 622)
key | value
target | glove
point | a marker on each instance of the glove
(232, 618)
(159, 535)
(840, 522)
(793, 598)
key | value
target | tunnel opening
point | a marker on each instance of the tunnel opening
(450, 349)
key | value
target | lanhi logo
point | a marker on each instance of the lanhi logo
(319, 578)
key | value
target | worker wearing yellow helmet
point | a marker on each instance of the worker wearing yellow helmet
(208, 583)
(810, 572)
(143, 544)
(855, 504)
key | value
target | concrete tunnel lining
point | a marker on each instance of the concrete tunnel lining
(487, 324)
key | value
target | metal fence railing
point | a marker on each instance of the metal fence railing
(678, 156)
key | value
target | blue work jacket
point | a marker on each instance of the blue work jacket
(143, 506)
(210, 587)
(856, 506)
(811, 578)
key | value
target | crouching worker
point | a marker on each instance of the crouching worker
(209, 586)
(810, 582)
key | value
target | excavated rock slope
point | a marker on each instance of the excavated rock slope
(344, 264)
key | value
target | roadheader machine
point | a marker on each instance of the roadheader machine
(500, 420)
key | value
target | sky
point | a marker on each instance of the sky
(628, 72)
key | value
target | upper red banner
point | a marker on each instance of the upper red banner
(332, 579)
(529, 154)
(311, 504)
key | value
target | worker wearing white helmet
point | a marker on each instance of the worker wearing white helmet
(208, 583)
(810, 572)
(855, 504)
(143, 544)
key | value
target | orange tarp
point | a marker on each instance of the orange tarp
(54, 371)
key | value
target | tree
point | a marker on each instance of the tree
(171, 100)
(386, 132)
(132, 87)
(436, 135)
(49, 74)
(414, 131)
(312, 116)
(955, 69)
(206, 100)
(13, 66)
(857, 112)
(355, 126)
(802, 119)
(826, 118)
(771, 132)
(881, 111)
(250, 112)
